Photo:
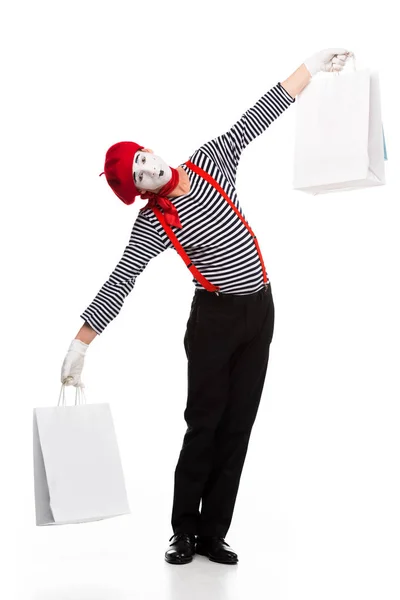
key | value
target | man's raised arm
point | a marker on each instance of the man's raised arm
(228, 147)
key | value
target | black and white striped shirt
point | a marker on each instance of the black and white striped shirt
(214, 237)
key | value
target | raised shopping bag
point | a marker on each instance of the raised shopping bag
(78, 474)
(339, 140)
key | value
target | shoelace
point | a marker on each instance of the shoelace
(221, 539)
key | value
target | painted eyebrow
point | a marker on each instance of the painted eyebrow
(134, 174)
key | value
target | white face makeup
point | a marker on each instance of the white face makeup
(149, 171)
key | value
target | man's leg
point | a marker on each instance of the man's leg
(210, 336)
(248, 370)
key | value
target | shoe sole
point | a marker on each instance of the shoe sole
(224, 562)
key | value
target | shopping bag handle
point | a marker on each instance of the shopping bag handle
(353, 57)
(80, 397)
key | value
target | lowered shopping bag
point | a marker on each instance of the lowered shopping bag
(339, 139)
(78, 475)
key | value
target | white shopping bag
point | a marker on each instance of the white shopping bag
(339, 139)
(78, 474)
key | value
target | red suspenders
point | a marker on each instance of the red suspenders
(178, 247)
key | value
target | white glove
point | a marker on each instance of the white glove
(73, 364)
(331, 59)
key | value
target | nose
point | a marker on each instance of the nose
(152, 171)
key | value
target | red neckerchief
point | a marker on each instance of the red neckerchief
(161, 200)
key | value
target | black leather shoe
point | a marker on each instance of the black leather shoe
(182, 548)
(216, 549)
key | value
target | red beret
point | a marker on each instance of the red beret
(118, 169)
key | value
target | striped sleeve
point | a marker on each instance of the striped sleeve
(144, 244)
(227, 148)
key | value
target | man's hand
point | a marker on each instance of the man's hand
(73, 363)
(329, 60)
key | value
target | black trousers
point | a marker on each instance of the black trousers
(227, 344)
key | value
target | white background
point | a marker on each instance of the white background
(317, 513)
